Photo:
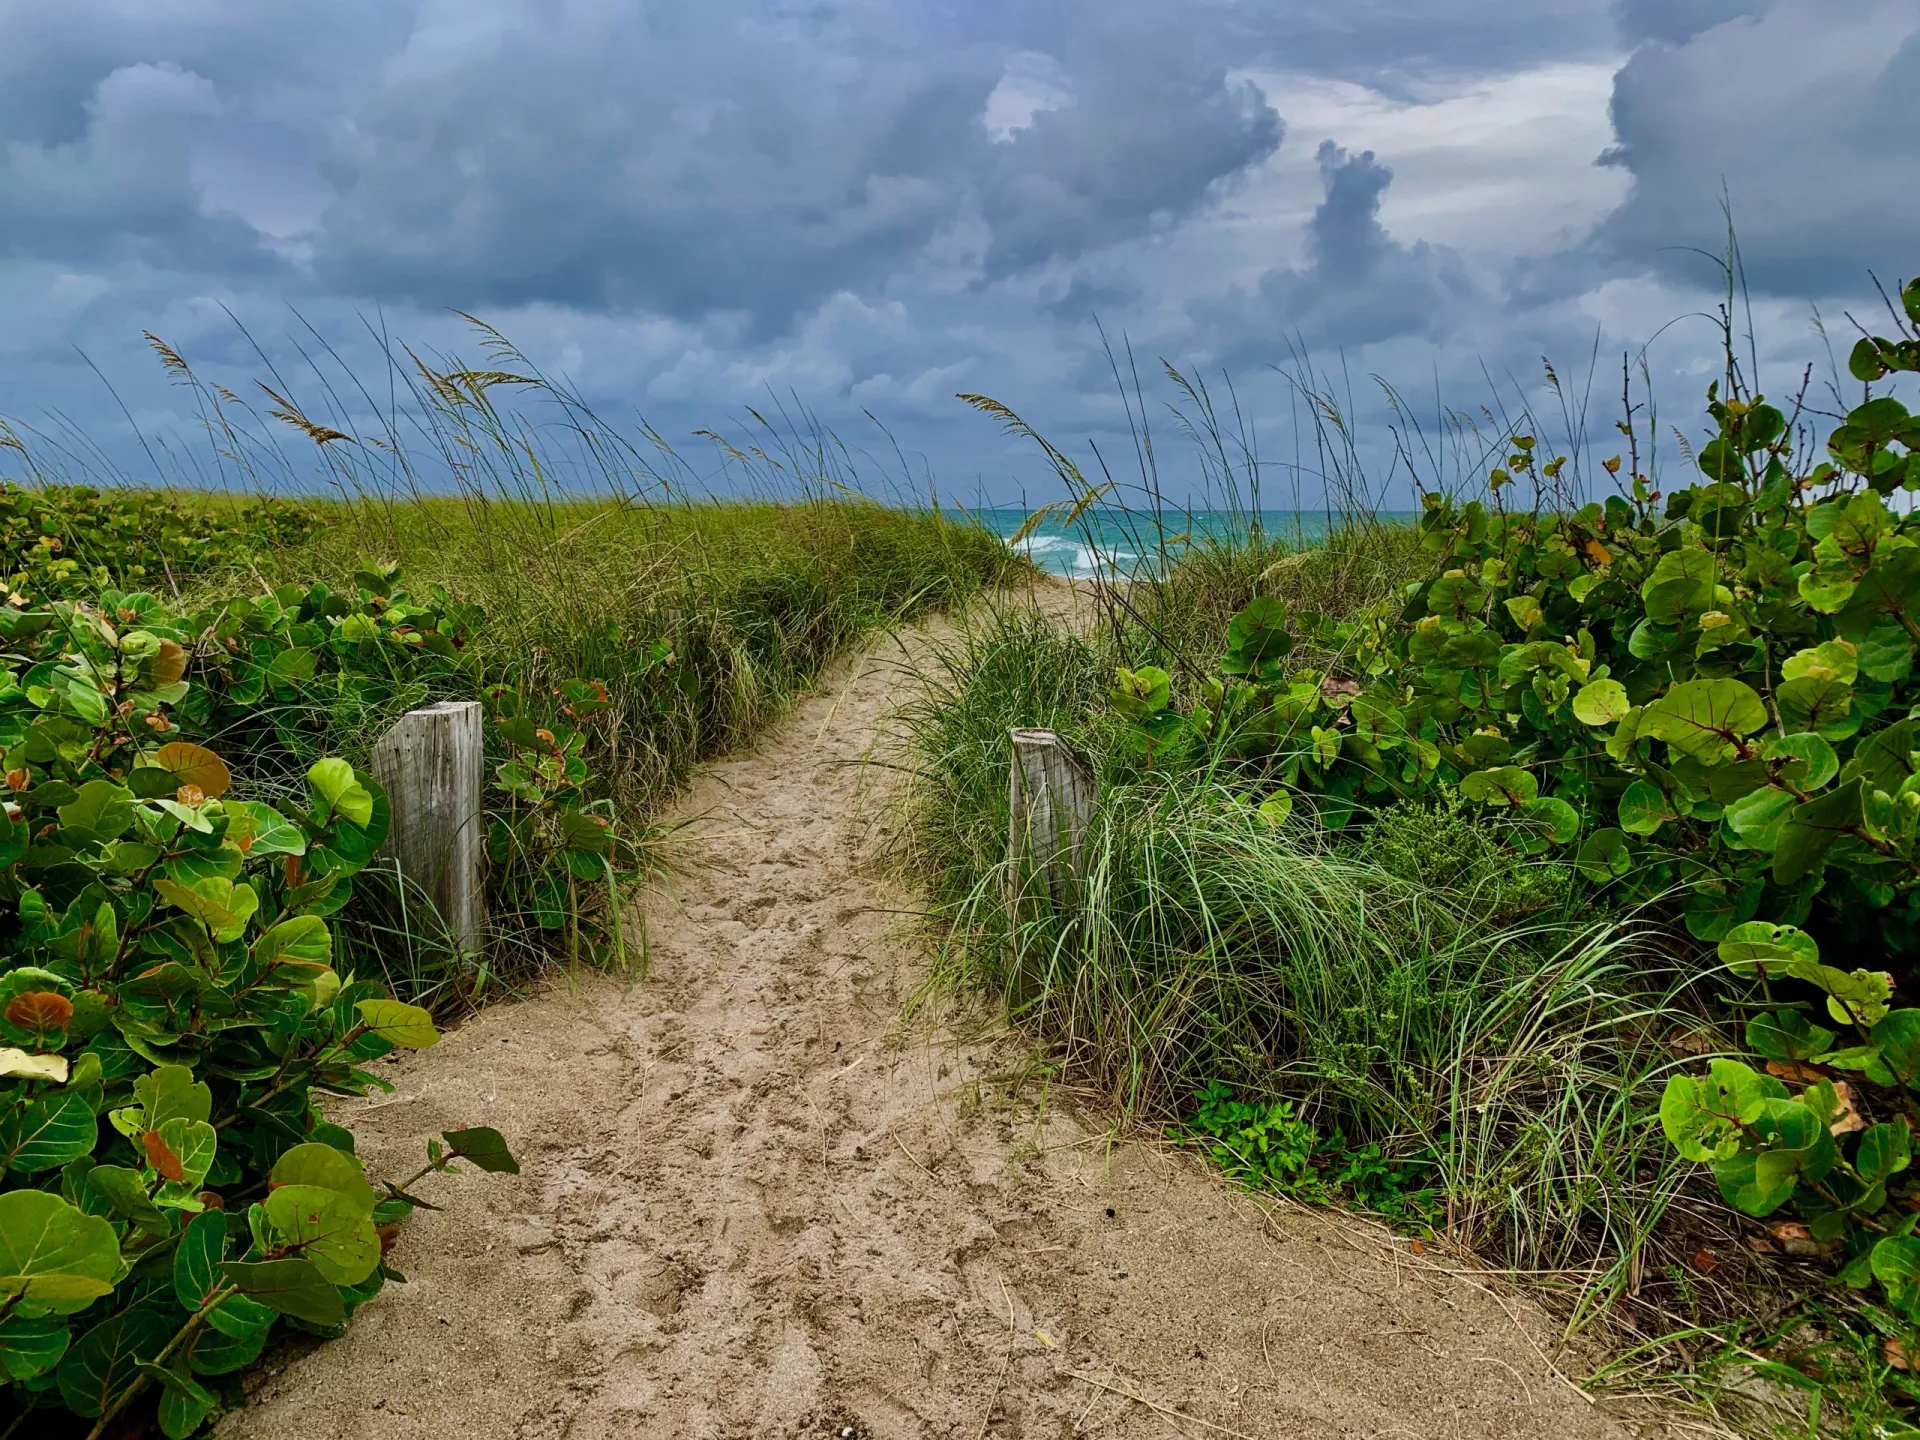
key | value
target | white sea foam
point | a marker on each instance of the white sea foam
(1063, 555)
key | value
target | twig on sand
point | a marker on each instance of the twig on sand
(910, 1155)
(1134, 1395)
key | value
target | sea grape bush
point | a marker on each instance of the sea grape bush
(73, 541)
(1713, 699)
(170, 1015)
(285, 675)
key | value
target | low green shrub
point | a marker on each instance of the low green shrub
(73, 541)
(173, 1008)
(1270, 1147)
(1714, 702)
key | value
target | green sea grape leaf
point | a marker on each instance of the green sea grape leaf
(1600, 702)
(1854, 997)
(30, 1347)
(212, 1351)
(196, 1259)
(1792, 1143)
(1143, 692)
(1759, 948)
(56, 1258)
(1506, 785)
(1604, 856)
(1702, 1114)
(48, 1132)
(223, 906)
(483, 1146)
(328, 1228)
(1813, 752)
(1705, 718)
(399, 1023)
(170, 1091)
(1811, 830)
(102, 1363)
(1830, 660)
(1644, 808)
(1756, 819)
(259, 829)
(1814, 704)
(1890, 589)
(327, 1168)
(101, 812)
(1896, 1265)
(293, 1287)
(1884, 759)
(334, 782)
(192, 1144)
(1259, 631)
(1897, 1037)
(184, 1402)
(1884, 1151)
(125, 1192)
(1557, 822)
(1787, 1035)
(303, 940)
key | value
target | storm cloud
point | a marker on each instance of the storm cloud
(870, 204)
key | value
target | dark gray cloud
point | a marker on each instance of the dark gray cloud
(874, 203)
(1677, 21)
(1801, 110)
(1358, 286)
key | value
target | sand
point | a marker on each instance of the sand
(756, 1202)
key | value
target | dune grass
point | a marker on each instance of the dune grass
(1408, 988)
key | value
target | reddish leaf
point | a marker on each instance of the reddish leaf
(1705, 1261)
(39, 1010)
(161, 1157)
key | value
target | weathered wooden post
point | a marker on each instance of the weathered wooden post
(432, 763)
(1050, 801)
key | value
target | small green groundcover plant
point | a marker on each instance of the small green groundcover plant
(171, 1194)
(1271, 1147)
(1715, 699)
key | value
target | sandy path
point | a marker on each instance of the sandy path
(753, 1206)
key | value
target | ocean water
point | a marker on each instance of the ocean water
(1120, 542)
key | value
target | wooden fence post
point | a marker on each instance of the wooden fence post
(1050, 802)
(432, 764)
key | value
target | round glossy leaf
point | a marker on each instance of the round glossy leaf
(399, 1024)
(1812, 751)
(330, 1229)
(334, 782)
(195, 765)
(1758, 948)
(57, 1258)
(1506, 785)
(325, 1168)
(1704, 718)
(1558, 822)
(1601, 703)
(1644, 809)
(293, 1287)
(197, 1257)
(106, 1360)
(1809, 703)
(1604, 856)
(1896, 1265)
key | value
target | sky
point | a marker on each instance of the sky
(856, 209)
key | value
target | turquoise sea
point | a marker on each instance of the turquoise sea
(1119, 542)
